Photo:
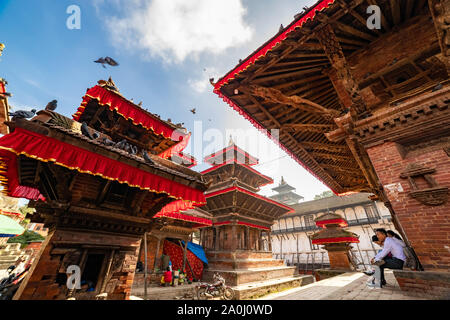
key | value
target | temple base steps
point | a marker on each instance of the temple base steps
(254, 290)
(242, 276)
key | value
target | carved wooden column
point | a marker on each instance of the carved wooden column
(440, 11)
(343, 81)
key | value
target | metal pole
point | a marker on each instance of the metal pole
(145, 266)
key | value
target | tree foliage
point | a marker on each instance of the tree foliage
(325, 194)
(26, 237)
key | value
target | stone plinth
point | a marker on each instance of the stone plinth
(338, 253)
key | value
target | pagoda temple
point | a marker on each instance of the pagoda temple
(364, 109)
(285, 194)
(97, 182)
(235, 243)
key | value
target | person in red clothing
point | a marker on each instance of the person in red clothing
(167, 278)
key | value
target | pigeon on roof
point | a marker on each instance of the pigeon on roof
(22, 114)
(51, 106)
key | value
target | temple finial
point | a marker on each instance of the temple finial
(282, 181)
(231, 140)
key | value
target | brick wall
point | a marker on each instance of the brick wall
(429, 284)
(426, 227)
(42, 282)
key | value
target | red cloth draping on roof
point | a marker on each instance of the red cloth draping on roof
(341, 222)
(268, 179)
(212, 157)
(10, 180)
(175, 149)
(47, 149)
(176, 256)
(173, 211)
(255, 195)
(241, 223)
(128, 111)
(269, 46)
(335, 240)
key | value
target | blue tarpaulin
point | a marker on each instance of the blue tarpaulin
(197, 251)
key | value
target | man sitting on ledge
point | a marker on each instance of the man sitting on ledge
(382, 260)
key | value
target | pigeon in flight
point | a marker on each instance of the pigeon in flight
(51, 106)
(194, 111)
(107, 60)
(22, 114)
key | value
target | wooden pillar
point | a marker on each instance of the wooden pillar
(247, 238)
(158, 244)
(216, 238)
(270, 241)
(146, 265)
(234, 237)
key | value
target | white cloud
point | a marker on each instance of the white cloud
(178, 29)
(202, 83)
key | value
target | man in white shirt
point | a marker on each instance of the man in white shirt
(383, 261)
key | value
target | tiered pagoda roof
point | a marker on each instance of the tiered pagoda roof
(285, 193)
(315, 70)
(57, 140)
(233, 190)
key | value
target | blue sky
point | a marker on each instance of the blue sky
(167, 50)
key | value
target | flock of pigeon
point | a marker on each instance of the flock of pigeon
(122, 145)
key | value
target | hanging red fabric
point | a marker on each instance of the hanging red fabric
(43, 148)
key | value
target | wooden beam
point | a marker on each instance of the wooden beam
(354, 32)
(320, 128)
(324, 146)
(331, 156)
(321, 172)
(277, 96)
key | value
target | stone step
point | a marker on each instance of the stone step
(259, 289)
(242, 276)
(8, 258)
(244, 264)
(164, 293)
(10, 253)
(239, 254)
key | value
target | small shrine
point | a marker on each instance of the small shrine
(238, 242)
(335, 240)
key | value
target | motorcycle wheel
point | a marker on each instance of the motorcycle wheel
(228, 293)
(201, 294)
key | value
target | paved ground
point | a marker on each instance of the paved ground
(348, 286)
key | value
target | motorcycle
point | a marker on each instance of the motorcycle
(9, 285)
(217, 289)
